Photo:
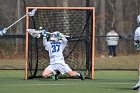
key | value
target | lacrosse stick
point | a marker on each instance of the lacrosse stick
(32, 13)
(37, 33)
(53, 33)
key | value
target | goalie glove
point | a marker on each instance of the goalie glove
(58, 35)
(45, 34)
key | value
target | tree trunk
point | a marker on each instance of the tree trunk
(119, 23)
(102, 25)
(18, 46)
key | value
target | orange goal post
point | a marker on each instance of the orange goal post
(77, 22)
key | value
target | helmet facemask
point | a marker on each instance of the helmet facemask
(53, 38)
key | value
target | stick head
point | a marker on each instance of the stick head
(34, 33)
(32, 13)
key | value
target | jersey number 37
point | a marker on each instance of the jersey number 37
(55, 48)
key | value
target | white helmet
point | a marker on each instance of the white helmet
(138, 19)
(53, 38)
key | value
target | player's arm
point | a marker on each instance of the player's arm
(45, 41)
(62, 37)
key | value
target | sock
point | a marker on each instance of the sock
(54, 73)
(78, 74)
(138, 80)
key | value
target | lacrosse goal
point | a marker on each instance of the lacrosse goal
(77, 22)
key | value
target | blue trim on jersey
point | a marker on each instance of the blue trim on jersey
(55, 43)
(55, 46)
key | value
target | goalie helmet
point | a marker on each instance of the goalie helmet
(53, 37)
(138, 20)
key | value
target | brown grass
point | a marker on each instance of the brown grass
(120, 62)
(104, 62)
(12, 64)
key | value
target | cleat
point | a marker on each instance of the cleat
(57, 74)
(136, 86)
(81, 77)
(56, 77)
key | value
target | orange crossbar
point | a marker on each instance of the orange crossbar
(61, 8)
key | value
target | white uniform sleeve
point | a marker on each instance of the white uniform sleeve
(64, 41)
(46, 44)
(137, 34)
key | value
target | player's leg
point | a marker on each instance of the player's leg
(114, 50)
(138, 84)
(66, 69)
(48, 72)
(74, 73)
(110, 51)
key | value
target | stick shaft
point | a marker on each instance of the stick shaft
(16, 22)
(53, 33)
(29, 13)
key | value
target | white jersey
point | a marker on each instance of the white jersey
(137, 34)
(55, 50)
(112, 38)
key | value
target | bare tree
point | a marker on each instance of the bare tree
(102, 24)
(113, 11)
(19, 28)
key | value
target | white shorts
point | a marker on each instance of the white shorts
(63, 68)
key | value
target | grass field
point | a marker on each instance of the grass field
(12, 81)
(109, 81)
(120, 62)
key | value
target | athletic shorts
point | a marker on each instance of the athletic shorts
(63, 68)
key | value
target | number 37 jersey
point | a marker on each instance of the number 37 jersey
(55, 50)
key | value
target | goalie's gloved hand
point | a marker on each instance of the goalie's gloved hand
(58, 34)
(44, 34)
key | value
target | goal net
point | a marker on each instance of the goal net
(77, 22)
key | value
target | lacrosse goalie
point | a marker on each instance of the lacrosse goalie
(55, 43)
(137, 45)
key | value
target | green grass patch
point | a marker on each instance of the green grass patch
(12, 81)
